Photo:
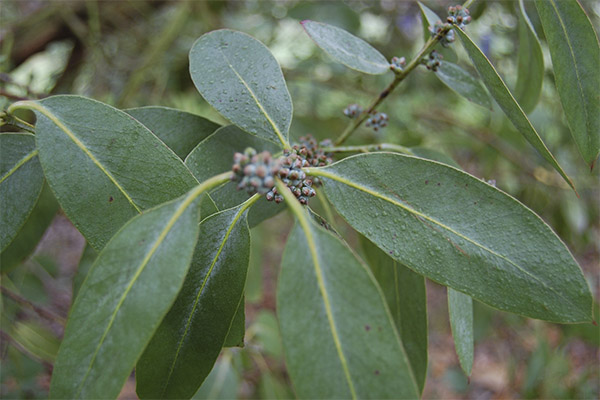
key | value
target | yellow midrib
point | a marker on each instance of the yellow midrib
(19, 164)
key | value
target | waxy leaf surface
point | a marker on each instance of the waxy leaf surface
(103, 166)
(461, 232)
(463, 83)
(346, 48)
(338, 335)
(530, 65)
(406, 297)
(179, 130)
(460, 308)
(187, 343)
(240, 78)
(126, 294)
(507, 102)
(575, 53)
(21, 181)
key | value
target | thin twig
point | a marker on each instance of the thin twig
(42, 312)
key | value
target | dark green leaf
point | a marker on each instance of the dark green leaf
(187, 343)
(575, 53)
(406, 297)
(460, 232)
(240, 78)
(223, 382)
(339, 338)
(129, 289)
(460, 307)
(86, 261)
(507, 102)
(463, 83)
(530, 64)
(237, 330)
(346, 48)
(429, 18)
(21, 181)
(179, 130)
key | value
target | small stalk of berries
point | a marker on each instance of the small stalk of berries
(444, 32)
(254, 172)
(353, 111)
(377, 121)
(397, 65)
(458, 15)
(433, 61)
(290, 173)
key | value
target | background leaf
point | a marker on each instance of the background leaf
(103, 166)
(530, 64)
(575, 53)
(507, 102)
(187, 343)
(240, 78)
(223, 381)
(179, 130)
(460, 308)
(461, 232)
(346, 48)
(338, 335)
(127, 292)
(21, 180)
(463, 83)
(406, 297)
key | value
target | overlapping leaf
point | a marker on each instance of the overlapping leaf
(463, 83)
(460, 308)
(461, 232)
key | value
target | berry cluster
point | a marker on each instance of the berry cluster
(377, 121)
(353, 111)
(309, 149)
(438, 30)
(254, 172)
(398, 64)
(434, 61)
(458, 15)
(291, 174)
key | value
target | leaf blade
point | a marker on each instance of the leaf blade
(463, 83)
(460, 308)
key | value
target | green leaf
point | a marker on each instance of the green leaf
(507, 102)
(463, 83)
(103, 166)
(36, 339)
(129, 289)
(346, 48)
(24, 243)
(187, 343)
(86, 261)
(338, 335)
(575, 53)
(237, 330)
(530, 64)
(460, 307)
(459, 231)
(21, 181)
(179, 130)
(240, 78)
(223, 382)
(406, 297)
(215, 155)
(429, 18)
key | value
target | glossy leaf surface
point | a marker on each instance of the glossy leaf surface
(129, 289)
(575, 53)
(346, 48)
(530, 65)
(240, 78)
(237, 330)
(103, 166)
(405, 294)
(187, 343)
(460, 308)
(21, 180)
(339, 338)
(179, 130)
(507, 102)
(461, 232)
(463, 83)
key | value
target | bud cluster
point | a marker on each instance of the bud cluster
(254, 172)
(309, 149)
(439, 28)
(398, 64)
(353, 111)
(458, 15)
(377, 121)
(434, 61)
(291, 174)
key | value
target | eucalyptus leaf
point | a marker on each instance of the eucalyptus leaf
(429, 18)
(346, 48)
(187, 343)
(179, 130)
(129, 289)
(21, 181)
(240, 78)
(461, 232)
(575, 53)
(223, 382)
(463, 83)
(460, 308)
(237, 330)
(406, 297)
(530, 65)
(338, 335)
(103, 166)
(507, 102)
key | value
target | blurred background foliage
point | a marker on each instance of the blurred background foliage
(134, 53)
